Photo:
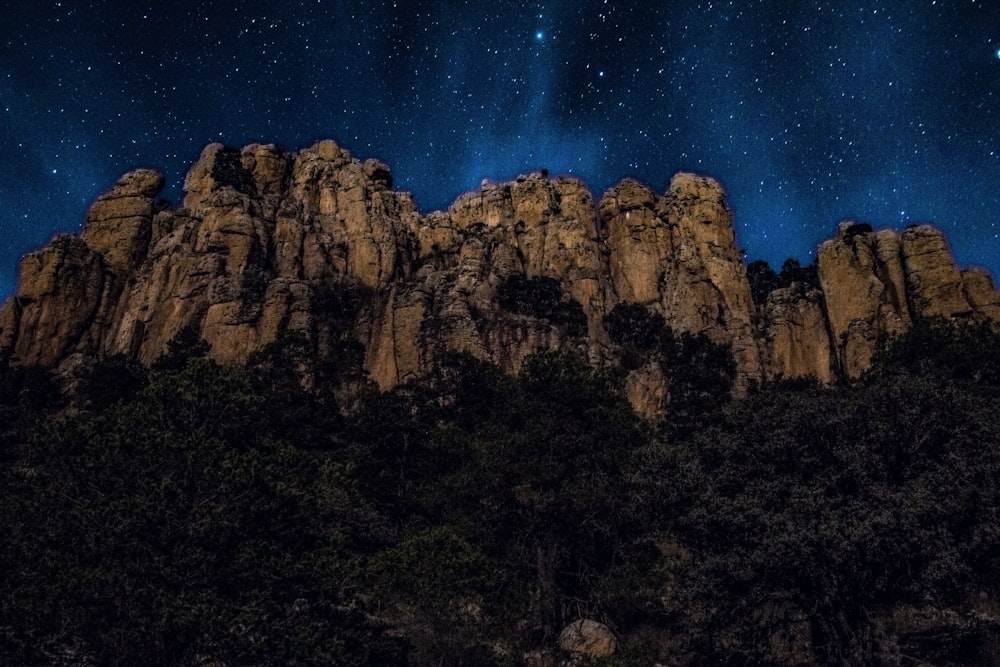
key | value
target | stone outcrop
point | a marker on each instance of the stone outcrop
(862, 279)
(875, 283)
(60, 291)
(933, 282)
(796, 339)
(677, 255)
(119, 223)
(318, 242)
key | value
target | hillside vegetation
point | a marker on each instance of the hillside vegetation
(196, 514)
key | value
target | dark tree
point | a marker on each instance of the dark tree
(854, 231)
(186, 345)
(107, 381)
(182, 527)
(633, 325)
(793, 272)
(763, 280)
(701, 374)
(542, 297)
(228, 171)
(828, 513)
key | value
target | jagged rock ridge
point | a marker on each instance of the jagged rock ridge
(268, 241)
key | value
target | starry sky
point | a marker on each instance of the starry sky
(809, 112)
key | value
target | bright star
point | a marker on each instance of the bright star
(539, 35)
(998, 54)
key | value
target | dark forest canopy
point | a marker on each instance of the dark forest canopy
(195, 513)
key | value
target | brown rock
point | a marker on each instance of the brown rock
(269, 167)
(646, 389)
(353, 225)
(795, 334)
(530, 227)
(236, 329)
(394, 354)
(859, 273)
(932, 279)
(678, 254)
(890, 272)
(119, 223)
(199, 182)
(10, 322)
(265, 237)
(710, 293)
(982, 293)
(639, 242)
(145, 183)
(261, 231)
(59, 291)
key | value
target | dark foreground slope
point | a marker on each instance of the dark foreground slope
(196, 514)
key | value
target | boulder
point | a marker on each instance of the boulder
(588, 638)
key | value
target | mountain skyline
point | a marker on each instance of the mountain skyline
(807, 114)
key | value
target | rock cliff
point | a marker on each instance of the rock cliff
(318, 242)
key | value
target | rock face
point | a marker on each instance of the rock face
(318, 242)
(796, 338)
(875, 283)
(677, 255)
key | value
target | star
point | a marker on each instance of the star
(740, 96)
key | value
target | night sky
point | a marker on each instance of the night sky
(808, 112)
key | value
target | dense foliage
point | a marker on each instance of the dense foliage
(184, 524)
(763, 279)
(228, 171)
(701, 372)
(195, 513)
(542, 297)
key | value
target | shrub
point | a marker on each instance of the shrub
(839, 508)
(339, 302)
(855, 230)
(793, 272)
(542, 297)
(763, 280)
(178, 525)
(951, 351)
(632, 325)
(228, 172)
(253, 284)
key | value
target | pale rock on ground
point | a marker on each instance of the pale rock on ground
(588, 638)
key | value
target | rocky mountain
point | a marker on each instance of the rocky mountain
(318, 242)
